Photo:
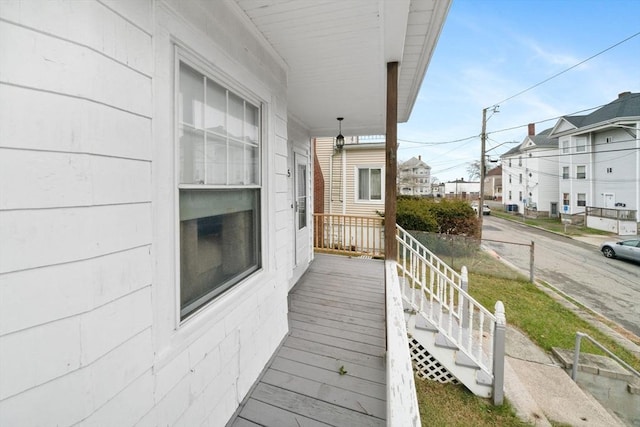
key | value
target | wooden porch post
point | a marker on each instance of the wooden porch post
(390, 244)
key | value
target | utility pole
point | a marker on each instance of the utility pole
(483, 142)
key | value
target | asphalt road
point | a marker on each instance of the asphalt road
(610, 287)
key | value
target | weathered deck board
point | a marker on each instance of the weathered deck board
(330, 369)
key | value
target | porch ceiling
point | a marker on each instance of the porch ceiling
(337, 50)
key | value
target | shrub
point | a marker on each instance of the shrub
(443, 216)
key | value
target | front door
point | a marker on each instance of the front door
(301, 211)
(609, 200)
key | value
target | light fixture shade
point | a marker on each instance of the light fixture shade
(340, 137)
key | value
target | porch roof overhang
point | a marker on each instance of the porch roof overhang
(336, 54)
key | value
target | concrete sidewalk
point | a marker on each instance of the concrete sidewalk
(540, 390)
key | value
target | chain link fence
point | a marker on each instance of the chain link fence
(481, 256)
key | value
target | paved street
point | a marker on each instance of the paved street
(608, 286)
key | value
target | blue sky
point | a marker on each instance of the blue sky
(489, 50)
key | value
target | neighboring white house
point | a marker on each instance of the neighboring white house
(461, 189)
(155, 206)
(493, 184)
(414, 177)
(353, 176)
(529, 174)
(599, 157)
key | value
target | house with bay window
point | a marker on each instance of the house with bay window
(599, 163)
(156, 208)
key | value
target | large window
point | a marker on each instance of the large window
(581, 145)
(581, 172)
(219, 188)
(369, 184)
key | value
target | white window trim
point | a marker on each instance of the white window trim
(203, 313)
(356, 184)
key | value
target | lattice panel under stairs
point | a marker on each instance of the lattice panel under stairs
(426, 366)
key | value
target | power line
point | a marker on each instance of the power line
(566, 70)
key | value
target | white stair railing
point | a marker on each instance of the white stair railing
(436, 291)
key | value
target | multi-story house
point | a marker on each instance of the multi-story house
(529, 174)
(353, 175)
(493, 184)
(599, 158)
(414, 177)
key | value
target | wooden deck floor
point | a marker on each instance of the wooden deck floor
(330, 369)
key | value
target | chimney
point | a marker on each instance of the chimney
(419, 157)
(532, 129)
(623, 94)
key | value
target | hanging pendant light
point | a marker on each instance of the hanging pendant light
(340, 137)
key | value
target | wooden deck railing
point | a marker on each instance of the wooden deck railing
(360, 235)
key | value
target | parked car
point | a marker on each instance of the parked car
(486, 210)
(629, 249)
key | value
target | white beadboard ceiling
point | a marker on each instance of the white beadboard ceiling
(337, 50)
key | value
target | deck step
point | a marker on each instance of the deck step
(443, 341)
(424, 324)
(464, 360)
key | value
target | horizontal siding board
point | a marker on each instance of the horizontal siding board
(75, 287)
(107, 327)
(41, 62)
(53, 236)
(53, 399)
(54, 348)
(68, 180)
(94, 25)
(68, 124)
(128, 406)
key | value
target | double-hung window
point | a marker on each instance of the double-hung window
(219, 187)
(581, 145)
(565, 172)
(369, 184)
(581, 172)
(582, 199)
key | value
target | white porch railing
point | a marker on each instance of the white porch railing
(402, 401)
(439, 293)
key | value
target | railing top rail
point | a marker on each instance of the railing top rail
(350, 216)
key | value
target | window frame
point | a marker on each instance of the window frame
(565, 172)
(581, 202)
(247, 96)
(583, 173)
(356, 187)
(565, 146)
(581, 148)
